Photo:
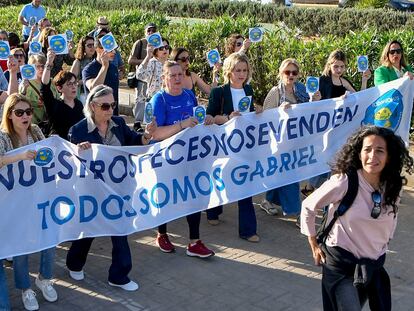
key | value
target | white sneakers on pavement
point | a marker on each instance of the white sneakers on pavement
(77, 275)
(29, 300)
(131, 286)
(46, 286)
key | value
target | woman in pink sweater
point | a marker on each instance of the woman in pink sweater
(353, 254)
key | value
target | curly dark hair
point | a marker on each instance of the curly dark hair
(348, 158)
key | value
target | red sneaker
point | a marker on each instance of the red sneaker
(163, 242)
(199, 250)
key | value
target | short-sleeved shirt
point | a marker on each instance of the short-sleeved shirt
(169, 109)
(29, 11)
(117, 61)
(111, 79)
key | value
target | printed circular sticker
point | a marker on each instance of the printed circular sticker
(28, 72)
(244, 104)
(108, 42)
(213, 56)
(363, 63)
(148, 113)
(69, 35)
(255, 34)
(58, 43)
(200, 114)
(154, 40)
(43, 156)
(35, 47)
(4, 50)
(32, 21)
(312, 84)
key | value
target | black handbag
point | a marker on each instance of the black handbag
(132, 80)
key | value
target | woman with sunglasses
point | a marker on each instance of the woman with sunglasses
(191, 79)
(100, 126)
(223, 105)
(353, 254)
(68, 110)
(150, 70)
(393, 64)
(170, 122)
(17, 131)
(20, 56)
(236, 43)
(288, 92)
(85, 53)
(31, 89)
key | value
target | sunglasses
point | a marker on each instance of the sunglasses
(165, 47)
(106, 106)
(18, 55)
(376, 210)
(398, 51)
(239, 44)
(184, 59)
(20, 112)
(151, 29)
(291, 72)
(90, 45)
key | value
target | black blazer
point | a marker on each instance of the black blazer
(221, 102)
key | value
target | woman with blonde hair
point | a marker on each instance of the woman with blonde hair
(288, 92)
(393, 64)
(17, 131)
(224, 105)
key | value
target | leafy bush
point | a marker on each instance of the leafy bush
(279, 43)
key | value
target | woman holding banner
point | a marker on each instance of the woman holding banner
(17, 131)
(353, 253)
(100, 126)
(393, 64)
(170, 122)
(223, 105)
(288, 92)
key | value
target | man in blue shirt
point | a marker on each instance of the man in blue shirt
(29, 15)
(102, 71)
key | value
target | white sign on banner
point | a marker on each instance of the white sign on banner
(69, 194)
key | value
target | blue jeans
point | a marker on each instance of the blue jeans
(247, 217)
(4, 293)
(21, 267)
(286, 196)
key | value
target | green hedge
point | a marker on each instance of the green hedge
(278, 44)
(310, 21)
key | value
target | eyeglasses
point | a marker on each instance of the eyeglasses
(239, 44)
(376, 210)
(70, 84)
(165, 47)
(151, 29)
(291, 72)
(106, 106)
(18, 55)
(398, 51)
(90, 45)
(20, 112)
(184, 59)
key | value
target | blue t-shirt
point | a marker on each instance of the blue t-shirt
(29, 11)
(91, 72)
(169, 109)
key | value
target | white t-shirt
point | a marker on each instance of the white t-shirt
(236, 96)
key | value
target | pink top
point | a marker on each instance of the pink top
(356, 231)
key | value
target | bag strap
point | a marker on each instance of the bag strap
(346, 203)
(36, 90)
(222, 101)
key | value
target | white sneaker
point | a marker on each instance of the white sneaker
(131, 286)
(46, 286)
(29, 300)
(77, 275)
(270, 208)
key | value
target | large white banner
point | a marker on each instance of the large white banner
(66, 194)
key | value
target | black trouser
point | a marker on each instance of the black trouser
(338, 290)
(193, 221)
(121, 258)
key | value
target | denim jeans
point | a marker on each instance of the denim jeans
(121, 258)
(21, 267)
(4, 293)
(286, 196)
(247, 217)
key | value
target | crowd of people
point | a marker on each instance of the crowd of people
(76, 96)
